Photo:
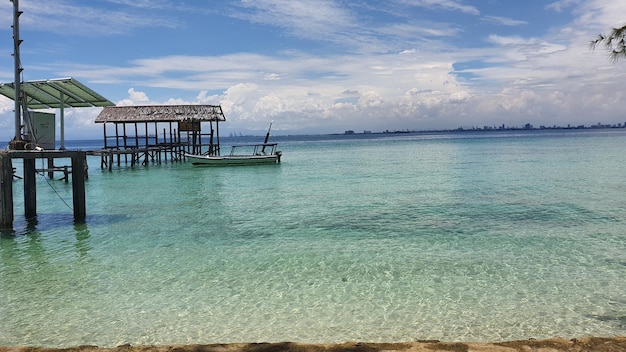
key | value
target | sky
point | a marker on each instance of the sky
(326, 66)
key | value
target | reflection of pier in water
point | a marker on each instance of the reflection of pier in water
(27, 249)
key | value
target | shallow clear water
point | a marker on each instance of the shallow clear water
(457, 237)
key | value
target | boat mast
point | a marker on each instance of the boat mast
(267, 137)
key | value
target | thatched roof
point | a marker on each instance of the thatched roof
(161, 113)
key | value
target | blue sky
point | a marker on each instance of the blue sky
(326, 66)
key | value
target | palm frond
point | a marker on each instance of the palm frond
(615, 43)
(594, 43)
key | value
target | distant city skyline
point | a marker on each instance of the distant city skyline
(502, 127)
(327, 66)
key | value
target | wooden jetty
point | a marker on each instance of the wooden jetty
(78, 172)
(35, 139)
(154, 133)
(137, 133)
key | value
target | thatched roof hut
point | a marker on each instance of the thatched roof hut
(160, 113)
(167, 127)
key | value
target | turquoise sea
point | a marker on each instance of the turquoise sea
(473, 236)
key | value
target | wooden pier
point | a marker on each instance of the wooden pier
(153, 133)
(29, 157)
(140, 155)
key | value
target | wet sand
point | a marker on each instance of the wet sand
(591, 344)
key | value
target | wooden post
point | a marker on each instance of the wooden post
(181, 149)
(30, 189)
(117, 144)
(217, 127)
(86, 166)
(78, 186)
(125, 143)
(6, 191)
(66, 174)
(51, 168)
(136, 136)
(165, 145)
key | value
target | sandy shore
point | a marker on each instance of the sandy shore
(614, 344)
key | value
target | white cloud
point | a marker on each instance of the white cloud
(443, 4)
(561, 5)
(408, 30)
(134, 98)
(7, 123)
(143, 4)
(61, 16)
(306, 19)
(598, 15)
(547, 78)
(505, 21)
(338, 24)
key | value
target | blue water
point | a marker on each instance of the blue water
(450, 236)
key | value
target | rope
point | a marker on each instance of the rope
(55, 191)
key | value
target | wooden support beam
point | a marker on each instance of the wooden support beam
(125, 143)
(6, 191)
(30, 189)
(78, 172)
(51, 168)
(78, 186)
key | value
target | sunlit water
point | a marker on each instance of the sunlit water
(457, 237)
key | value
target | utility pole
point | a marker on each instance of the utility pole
(17, 142)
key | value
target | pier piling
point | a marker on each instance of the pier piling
(30, 190)
(6, 191)
(79, 175)
(78, 172)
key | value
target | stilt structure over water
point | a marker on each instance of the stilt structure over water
(79, 169)
(35, 134)
(152, 133)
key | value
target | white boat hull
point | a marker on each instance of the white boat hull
(245, 154)
(233, 159)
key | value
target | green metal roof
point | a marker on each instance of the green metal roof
(48, 94)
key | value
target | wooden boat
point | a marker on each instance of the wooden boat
(245, 154)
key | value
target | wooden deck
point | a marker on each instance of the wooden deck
(140, 155)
